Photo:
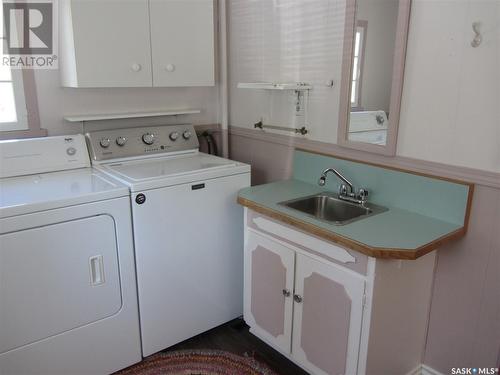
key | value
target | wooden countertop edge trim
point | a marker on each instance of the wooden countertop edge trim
(376, 252)
(468, 207)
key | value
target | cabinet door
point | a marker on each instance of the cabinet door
(111, 43)
(327, 318)
(269, 268)
(182, 39)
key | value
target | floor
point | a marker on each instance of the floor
(234, 337)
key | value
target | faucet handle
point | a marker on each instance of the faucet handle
(363, 194)
(343, 190)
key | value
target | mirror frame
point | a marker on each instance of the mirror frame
(402, 27)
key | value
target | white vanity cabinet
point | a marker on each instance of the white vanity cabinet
(333, 310)
(137, 43)
(319, 302)
(327, 316)
(269, 283)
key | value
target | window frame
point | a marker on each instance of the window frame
(28, 87)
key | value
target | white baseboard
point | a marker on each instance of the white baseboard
(424, 370)
(416, 371)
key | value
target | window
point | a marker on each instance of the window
(18, 101)
(13, 113)
(357, 64)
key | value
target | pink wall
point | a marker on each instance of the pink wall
(464, 326)
(270, 162)
(444, 97)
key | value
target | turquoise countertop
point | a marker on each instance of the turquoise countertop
(429, 196)
(394, 229)
(423, 211)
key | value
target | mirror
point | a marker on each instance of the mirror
(372, 74)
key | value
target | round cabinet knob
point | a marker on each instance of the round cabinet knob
(186, 135)
(170, 68)
(120, 141)
(173, 136)
(136, 67)
(148, 138)
(105, 142)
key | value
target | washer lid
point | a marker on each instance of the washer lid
(157, 172)
(39, 192)
(147, 169)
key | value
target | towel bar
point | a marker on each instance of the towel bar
(302, 130)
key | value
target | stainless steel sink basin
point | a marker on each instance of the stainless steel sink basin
(329, 208)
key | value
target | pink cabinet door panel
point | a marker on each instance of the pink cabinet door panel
(268, 302)
(327, 317)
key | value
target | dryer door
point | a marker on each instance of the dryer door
(56, 278)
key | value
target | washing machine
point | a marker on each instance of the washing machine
(188, 228)
(68, 300)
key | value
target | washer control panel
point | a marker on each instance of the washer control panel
(128, 142)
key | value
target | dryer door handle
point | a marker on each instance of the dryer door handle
(96, 266)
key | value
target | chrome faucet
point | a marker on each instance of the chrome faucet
(346, 190)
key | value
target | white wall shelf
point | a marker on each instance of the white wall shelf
(114, 116)
(296, 86)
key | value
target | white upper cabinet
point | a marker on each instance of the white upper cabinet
(182, 40)
(137, 43)
(105, 43)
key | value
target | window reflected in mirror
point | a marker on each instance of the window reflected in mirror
(372, 70)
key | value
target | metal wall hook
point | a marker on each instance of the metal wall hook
(478, 38)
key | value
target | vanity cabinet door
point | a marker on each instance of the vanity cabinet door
(268, 296)
(327, 320)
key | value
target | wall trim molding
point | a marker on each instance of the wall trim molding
(471, 175)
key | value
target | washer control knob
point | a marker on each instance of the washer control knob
(173, 136)
(148, 138)
(105, 142)
(120, 141)
(186, 135)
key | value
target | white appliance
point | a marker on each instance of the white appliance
(68, 300)
(368, 127)
(188, 228)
